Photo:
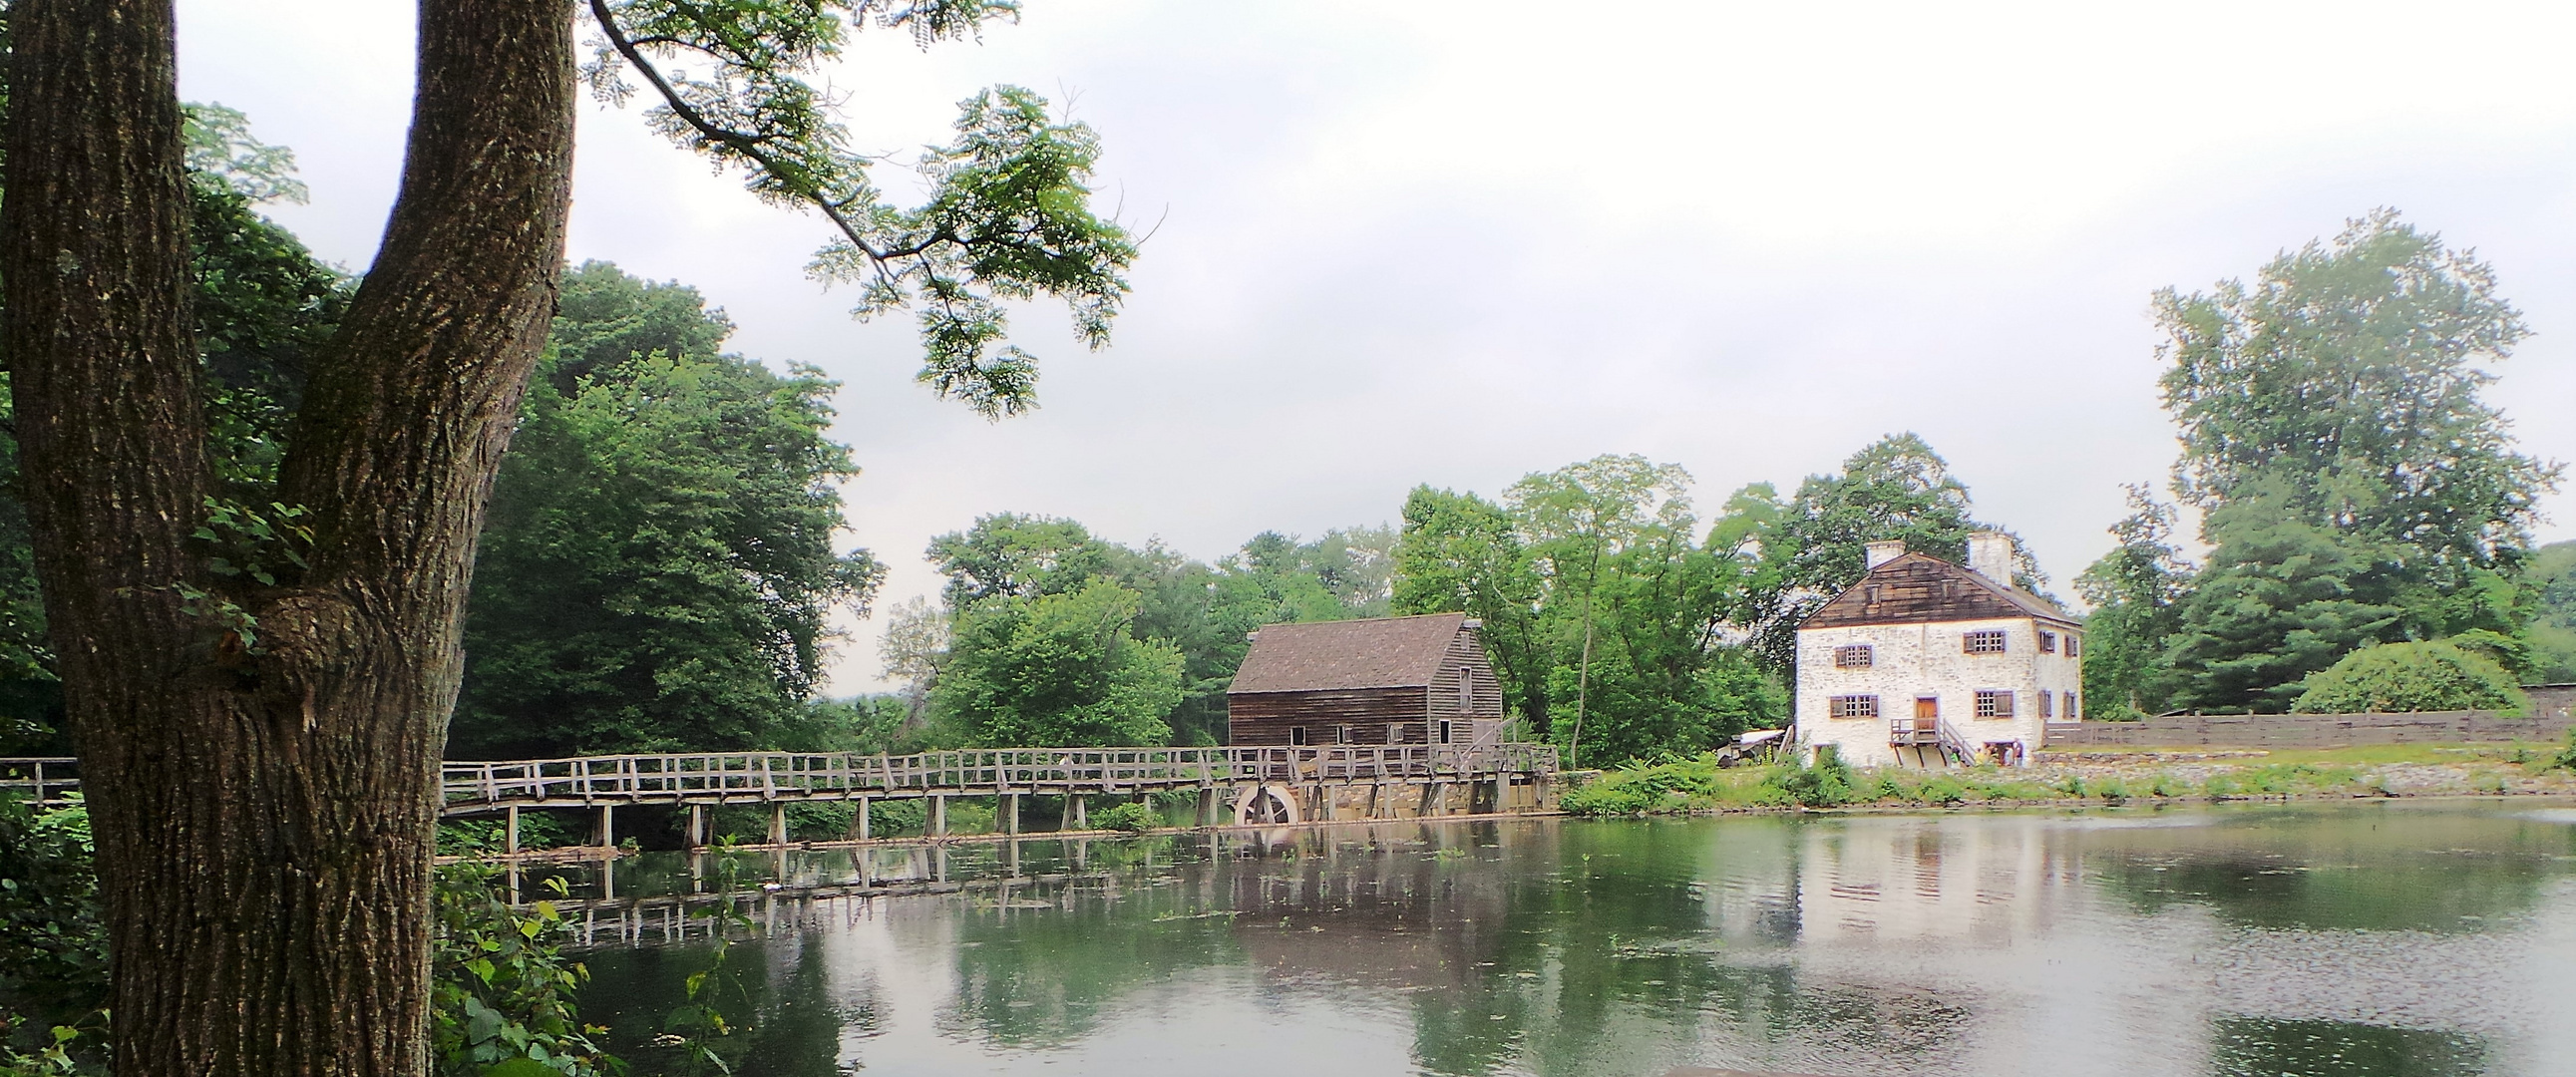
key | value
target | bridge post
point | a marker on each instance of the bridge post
(1207, 805)
(510, 829)
(1081, 806)
(1011, 815)
(939, 816)
(859, 822)
(777, 823)
(607, 825)
(697, 825)
(1502, 791)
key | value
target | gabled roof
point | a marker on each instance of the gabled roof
(1381, 652)
(1921, 589)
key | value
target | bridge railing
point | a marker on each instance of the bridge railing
(40, 781)
(799, 775)
(789, 775)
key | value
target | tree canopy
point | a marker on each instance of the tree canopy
(2353, 484)
(660, 561)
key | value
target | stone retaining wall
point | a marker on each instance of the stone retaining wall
(2549, 722)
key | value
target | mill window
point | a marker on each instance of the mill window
(1993, 703)
(1857, 656)
(2048, 643)
(1444, 730)
(1394, 733)
(1341, 734)
(1851, 706)
(2070, 645)
(1297, 735)
(2072, 713)
(1988, 641)
(1466, 692)
(2044, 708)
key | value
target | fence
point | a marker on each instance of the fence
(2310, 730)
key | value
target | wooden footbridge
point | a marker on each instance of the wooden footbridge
(1239, 786)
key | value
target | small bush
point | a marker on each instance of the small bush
(2431, 675)
(2565, 759)
(1132, 817)
(1824, 785)
(1945, 791)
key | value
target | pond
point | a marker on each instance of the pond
(2386, 938)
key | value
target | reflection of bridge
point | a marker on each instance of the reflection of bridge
(1257, 785)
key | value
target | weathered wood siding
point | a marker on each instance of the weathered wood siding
(1465, 659)
(1263, 719)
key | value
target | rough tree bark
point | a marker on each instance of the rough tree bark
(264, 814)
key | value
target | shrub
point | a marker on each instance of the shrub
(501, 988)
(2566, 757)
(1945, 791)
(2420, 676)
(1133, 816)
(1824, 785)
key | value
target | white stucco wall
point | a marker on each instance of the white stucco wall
(1912, 661)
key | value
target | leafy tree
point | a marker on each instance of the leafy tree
(2346, 380)
(2551, 571)
(261, 689)
(1459, 553)
(2136, 591)
(2426, 675)
(659, 563)
(1575, 518)
(1008, 554)
(2334, 436)
(2281, 599)
(1059, 669)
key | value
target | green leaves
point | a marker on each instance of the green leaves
(502, 991)
(2348, 375)
(2433, 675)
(662, 557)
(1008, 215)
(1060, 669)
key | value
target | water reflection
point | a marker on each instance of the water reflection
(2396, 939)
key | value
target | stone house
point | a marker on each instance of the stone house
(1924, 663)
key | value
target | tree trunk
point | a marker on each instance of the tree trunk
(262, 762)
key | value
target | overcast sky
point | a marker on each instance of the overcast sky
(1455, 243)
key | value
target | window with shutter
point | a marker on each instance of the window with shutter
(1851, 706)
(1994, 703)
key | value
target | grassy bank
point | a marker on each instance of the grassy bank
(1683, 786)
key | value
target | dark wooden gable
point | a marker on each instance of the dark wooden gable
(1383, 680)
(1920, 589)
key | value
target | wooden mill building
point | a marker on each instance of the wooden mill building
(1383, 680)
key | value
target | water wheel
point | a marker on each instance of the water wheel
(1266, 805)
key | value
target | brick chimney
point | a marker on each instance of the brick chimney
(1881, 553)
(1990, 554)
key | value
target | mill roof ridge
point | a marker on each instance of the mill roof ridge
(1372, 652)
(1907, 590)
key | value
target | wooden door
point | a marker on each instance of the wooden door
(1927, 714)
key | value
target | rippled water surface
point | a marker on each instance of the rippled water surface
(2397, 939)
